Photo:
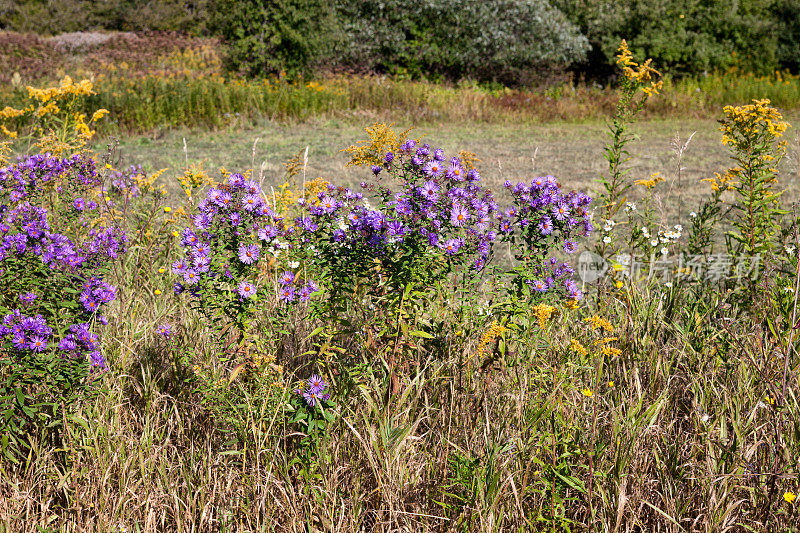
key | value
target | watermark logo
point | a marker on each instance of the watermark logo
(688, 267)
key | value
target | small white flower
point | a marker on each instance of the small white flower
(646, 232)
(664, 251)
(630, 206)
(654, 242)
(788, 289)
(693, 214)
(668, 284)
(607, 239)
(678, 227)
(294, 264)
(789, 249)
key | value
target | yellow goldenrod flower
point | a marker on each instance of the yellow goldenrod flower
(587, 392)
(494, 331)
(543, 313)
(654, 180)
(175, 233)
(577, 347)
(789, 496)
(599, 322)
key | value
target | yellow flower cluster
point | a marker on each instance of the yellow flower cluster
(724, 182)
(642, 75)
(67, 88)
(756, 118)
(543, 312)
(468, 159)
(577, 347)
(382, 139)
(598, 322)
(654, 180)
(494, 331)
(195, 177)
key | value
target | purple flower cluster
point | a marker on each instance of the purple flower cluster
(314, 391)
(544, 219)
(440, 206)
(31, 333)
(33, 250)
(123, 184)
(233, 229)
(25, 231)
(29, 177)
(233, 215)
(290, 290)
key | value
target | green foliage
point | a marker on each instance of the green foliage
(512, 42)
(62, 16)
(691, 36)
(275, 37)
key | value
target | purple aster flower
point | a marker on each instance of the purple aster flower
(27, 297)
(178, 288)
(316, 384)
(165, 331)
(539, 285)
(451, 246)
(251, 202)
(37, 344)
(376, 169)
(455, 171)
(328, 205)
(433, 168)
(79, 204)
(287, 278)
(459, 215)
(191, 277)
(97, 360)
(248, 253)
(246, 289)
(389, 157)
(561, 211)
(429, 190)
(287, 293)
(307, 290)
(473, 176)
(570, 247)
(409, 145)
(438, 154)
(546, 226)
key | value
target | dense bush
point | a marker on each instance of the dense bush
(500, 40)
(688, 36)
(271, 37)
(50, 17)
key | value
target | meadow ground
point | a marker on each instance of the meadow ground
(573, 152)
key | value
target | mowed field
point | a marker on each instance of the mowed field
(572, 152)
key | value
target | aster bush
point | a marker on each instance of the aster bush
(542, 222)
(55, 256)
(431, 222)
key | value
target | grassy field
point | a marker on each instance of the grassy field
(571, 152)
(461, 400)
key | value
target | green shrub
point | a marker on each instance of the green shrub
(508, 41)
(271, 37)
(688, 36)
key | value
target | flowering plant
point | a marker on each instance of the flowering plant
(543, 219)
(437, 221)
(53, 261)
(229, 252)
